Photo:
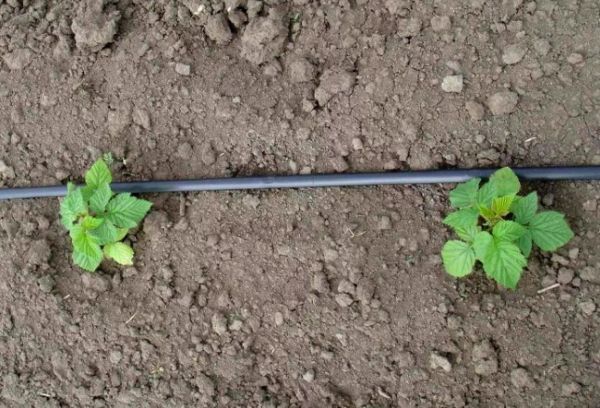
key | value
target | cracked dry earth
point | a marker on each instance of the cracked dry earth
(308, 298)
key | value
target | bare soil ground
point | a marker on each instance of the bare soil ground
(311, 298)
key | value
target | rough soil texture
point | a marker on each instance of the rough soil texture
(328, 298)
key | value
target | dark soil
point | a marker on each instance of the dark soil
(309, 298)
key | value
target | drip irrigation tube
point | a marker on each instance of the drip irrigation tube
(317, 180)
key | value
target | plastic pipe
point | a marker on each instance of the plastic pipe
(317, 180)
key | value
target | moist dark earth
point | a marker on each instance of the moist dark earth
(305, 298)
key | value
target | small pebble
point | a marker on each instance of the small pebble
(570, 389)
(343, 299)
(475, 109)
(565, 276)
(438, 361)
(588, 307)
(384, 223)
(452, 83)
(575, 59)
(548, 199)
(182, 69)
(503, 103)
(521, 379)
(513, 54)
(46, 283)
(309, 376)
(219, 323)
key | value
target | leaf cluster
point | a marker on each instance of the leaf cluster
(498, 228)
(98, 219)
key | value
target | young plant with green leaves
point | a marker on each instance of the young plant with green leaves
(498, 228)
(98, 220)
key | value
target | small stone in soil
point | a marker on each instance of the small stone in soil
(278, 318)
(345, 286)
(309, 376)
(384, 224)
(452, 83)
(343, 299)
(182, 69)
(575, 59)
(565, 276)
(513, 54)
(587, 307)
(590, 274)
(436, 360)
(570, 389)
(219, 323)
(521, 379)
(502, 103)
(548, 199)
(218, 29)
(475, 109)
(46, 283)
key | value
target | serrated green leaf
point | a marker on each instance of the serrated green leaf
(506, 182)
(86, 250)
(486, 195)
(504, 263)
(465, 194)
(481, 244)
(463, 218)
(90, 223)
(458, 258)
(121, 233)
(126, 211)
(501, 205)
(508, 231)
(549, 230)
(524, 208)
(100, 198)
(120, 252)
(106, 233)
(70, 187)
(525, 243)
(487, 214)
(71, 207)
(86, 192)
(98, 174)
(467, 234)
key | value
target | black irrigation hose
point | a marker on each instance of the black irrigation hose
(317, 180)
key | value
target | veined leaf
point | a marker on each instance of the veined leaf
(525, 243)
(506, 182)
(508, 231)
(524, 208)
(465, 194)
(90, 223)
(98, 174)
(120, 252)
(504, 263)
(100, 198)
(549, 230)
(458, 258)
(487, 213)
(126, 211)
(86, 250)
(121, 233)
(467, 234)
(481, 244)
(501, 205)
(72, 206)
(106, 233)
(462, 218)
(486, 195)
